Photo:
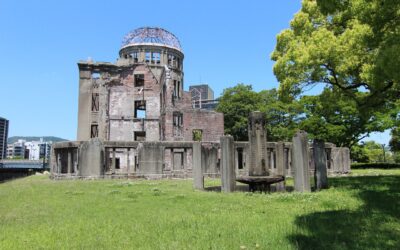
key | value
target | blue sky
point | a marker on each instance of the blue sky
(225, 42)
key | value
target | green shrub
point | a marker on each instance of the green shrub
(382, 165)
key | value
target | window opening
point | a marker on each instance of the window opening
(148, 56)
(95, 75)
(135, 56)
(155, 58)
(139, 135)
(170, 60)
(94, 131)
(139, 80)
(178, 119)
(95, 102)
(140, 109)
(240, 158)
(117, 163)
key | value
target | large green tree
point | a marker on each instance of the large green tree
(353, 48)
(237, 102)
(353, 45)
(334, 117)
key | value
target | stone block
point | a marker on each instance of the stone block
(151, 158)
(198, 178)
(300, 162)
(280, 164)
(91, 158)
(228, 173)
(320, 174)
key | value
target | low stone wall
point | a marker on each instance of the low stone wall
(169, 159)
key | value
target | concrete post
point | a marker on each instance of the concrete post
(257, 145)
(280, 164)
(228, 173)
(320, 174)
(113, 161)
(346, 160)
(128, 165)
(300, 162)
(91, 158)
(198, 178)
(69, 161)
(59, 167)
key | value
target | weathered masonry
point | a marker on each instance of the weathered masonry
(141, 97)
(96, 158)
(136, 120)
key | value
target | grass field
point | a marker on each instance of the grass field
(361, 211)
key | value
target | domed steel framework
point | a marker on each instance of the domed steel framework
(151, 35)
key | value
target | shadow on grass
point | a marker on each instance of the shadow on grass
(375, 225)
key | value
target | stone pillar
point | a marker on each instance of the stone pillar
(280, 164)
(69, 160)
(320, 174)
(257, 145)
(59, 165)
(228, 173)
(336, 160)
(346, 160)
(91, 158)
(300, 162)
(151, 158)
(128, 162)
(198, 178)
(113, 162)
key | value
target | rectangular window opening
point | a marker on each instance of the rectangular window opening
(94, 131)
(240, 158)
(95, 102)
(95, 75)
(139, 80)
(155, 58)
(139, 135)
(148, 56)
(140, 109)
(135, 56)
(178, 119)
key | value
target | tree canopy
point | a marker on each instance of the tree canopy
(353, 49)
(353, 46)
(237, 102)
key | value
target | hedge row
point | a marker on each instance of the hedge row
(382, 165)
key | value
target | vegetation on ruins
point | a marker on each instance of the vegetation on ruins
(357, 212)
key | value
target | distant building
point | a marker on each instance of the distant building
(17, 150)
(32, 150)
(3, 137)
(202, 97)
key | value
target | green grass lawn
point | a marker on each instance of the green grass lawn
(361, 211)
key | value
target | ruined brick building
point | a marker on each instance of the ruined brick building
(136, 120)
(141, 97)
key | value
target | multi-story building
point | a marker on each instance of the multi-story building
(201, 91)
(31, 150)
(141, 96)
(3, 137)
(17, 150)
(203, 97)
